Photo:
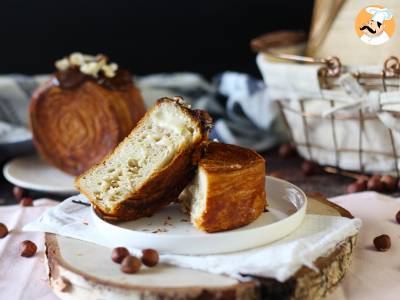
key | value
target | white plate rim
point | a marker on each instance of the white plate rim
(32, 186)
(296, 218)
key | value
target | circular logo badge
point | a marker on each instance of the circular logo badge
(375, 25)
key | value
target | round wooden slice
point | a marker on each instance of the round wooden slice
(81, 270)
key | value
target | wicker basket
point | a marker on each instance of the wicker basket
(341, 116)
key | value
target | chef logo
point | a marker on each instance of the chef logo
(375, 25)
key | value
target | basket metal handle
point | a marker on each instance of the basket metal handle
(269, 43)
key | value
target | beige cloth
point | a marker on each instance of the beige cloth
(373, 275)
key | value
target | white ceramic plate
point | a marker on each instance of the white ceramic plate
(34, 173)
(170, 232)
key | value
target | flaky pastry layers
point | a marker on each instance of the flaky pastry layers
(74, 128)
(229, 189)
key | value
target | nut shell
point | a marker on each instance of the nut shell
(362, 181)
(310, 168)
(286, 150)
(375, 184)
(27, 249)
(26, 201)
(18, 192)
(130, 264)
(398, 217)
(382, 242)
(3, 231)
(118, 254)
(150, 257)
(389, 182)
(355, 187)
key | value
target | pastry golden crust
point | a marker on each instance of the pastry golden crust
(74, 128)
(162, 186)
(231, 188)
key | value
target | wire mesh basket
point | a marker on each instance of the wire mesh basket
(342, 116)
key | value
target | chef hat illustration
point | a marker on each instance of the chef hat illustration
(379, 14)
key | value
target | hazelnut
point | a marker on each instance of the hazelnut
(286, 150)
(382, 242)
(118, 254)
(362, 181)
(309, 168)
(62, 64)
(26, 201)
(355, 187)
(18, 192)
(110, 70)
(76, 58)
(3, 231)
(150, 257)
(90, 68)
(27, 249)
(398, 217)
(130, 264)
(375, 184)
(389, 182)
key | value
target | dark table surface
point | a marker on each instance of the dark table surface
(329, 185)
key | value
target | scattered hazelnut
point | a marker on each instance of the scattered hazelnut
(375, 184)
(130, 264)
(26, 201)
(389, 182)
(362, 180)
(3, 231)
(382, 242)
(27, 249)
(398, 217)
(118, 254)
(309, 168)
(286, 150)
(355, 187)
(18, 192)
(150, 257)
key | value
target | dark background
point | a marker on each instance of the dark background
(206, 36)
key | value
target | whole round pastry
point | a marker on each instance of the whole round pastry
(83, 112)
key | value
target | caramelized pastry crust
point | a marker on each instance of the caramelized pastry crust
(229, 189)
(76, 120)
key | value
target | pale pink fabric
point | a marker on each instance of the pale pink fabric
(23, 278)
(373, 274)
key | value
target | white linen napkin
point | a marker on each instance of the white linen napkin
(317, 236)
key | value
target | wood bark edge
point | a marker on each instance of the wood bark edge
(305, 284)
